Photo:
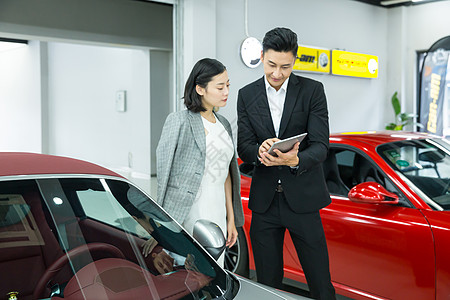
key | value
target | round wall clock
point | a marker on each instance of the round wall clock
(251, 52)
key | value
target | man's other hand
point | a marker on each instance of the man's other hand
(289, 158)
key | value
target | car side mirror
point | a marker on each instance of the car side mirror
(372, 192)
(210, 236)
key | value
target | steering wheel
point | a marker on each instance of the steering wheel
(55, 267)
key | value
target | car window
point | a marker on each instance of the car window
(345, 168)
(18, 227)
(344, 159)
(425, 164)
(26, 239)
(99, 205)
(98, 231)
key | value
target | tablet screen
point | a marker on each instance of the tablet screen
(287, 144)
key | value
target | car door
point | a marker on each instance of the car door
(439, 221)
(378, 250)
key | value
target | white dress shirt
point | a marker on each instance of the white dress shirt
(276, 102)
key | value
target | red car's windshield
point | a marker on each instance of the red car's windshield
(425, 165)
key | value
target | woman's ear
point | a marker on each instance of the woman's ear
(199, 90)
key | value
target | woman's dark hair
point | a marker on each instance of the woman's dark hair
(202, 73)
(281, 40)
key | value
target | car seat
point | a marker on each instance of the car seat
(332, 177)
(364, 171)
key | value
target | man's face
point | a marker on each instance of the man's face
(277, 66)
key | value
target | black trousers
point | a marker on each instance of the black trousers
(267, 232)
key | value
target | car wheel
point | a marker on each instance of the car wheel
(236, 257)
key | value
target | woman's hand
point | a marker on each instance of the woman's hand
(148, 246)
(163, 262)
(232, 234)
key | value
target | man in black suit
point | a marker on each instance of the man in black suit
(288, 189)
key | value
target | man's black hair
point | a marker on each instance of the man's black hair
(281, 40)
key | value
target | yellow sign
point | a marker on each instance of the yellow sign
(354, 64)
(312, 60)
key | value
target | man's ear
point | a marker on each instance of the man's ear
(199, 90)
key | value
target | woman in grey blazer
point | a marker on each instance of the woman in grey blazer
(197, 170)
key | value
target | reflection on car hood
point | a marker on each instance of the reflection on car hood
(252, 290)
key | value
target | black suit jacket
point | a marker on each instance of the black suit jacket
(305, 110)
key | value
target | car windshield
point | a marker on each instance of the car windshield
(425, 164)
(95, 238)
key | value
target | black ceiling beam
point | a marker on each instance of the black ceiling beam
(378, 3)
(8, 40)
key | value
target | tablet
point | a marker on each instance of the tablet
(286, 144)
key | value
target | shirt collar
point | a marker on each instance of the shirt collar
(270, 88)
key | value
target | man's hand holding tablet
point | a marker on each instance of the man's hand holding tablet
(275, 152)
(286, 144)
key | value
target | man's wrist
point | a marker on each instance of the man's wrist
(295, 164)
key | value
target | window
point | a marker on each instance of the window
(425, 164)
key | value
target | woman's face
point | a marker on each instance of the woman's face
(215, 94)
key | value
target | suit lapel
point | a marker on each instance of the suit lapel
(198, 130)
(263, 106)
(289, 103)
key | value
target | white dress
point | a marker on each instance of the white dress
(209, 203)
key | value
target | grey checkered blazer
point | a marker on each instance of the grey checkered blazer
(180, 160)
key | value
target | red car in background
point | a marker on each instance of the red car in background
(388, 226)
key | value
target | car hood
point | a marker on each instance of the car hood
(253, 290)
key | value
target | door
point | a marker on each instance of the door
(381, 250)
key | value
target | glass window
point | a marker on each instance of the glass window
(107, 236)
(351, 169)
(425, 164)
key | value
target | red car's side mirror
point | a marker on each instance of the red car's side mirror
(372, 192)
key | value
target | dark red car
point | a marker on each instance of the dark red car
(388, 227)
(73, 230)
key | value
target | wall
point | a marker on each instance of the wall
(20, 99)
(422, 25)
(160, 90)
(330, 24)
(60, 99)
(198, 36)
(83, 121)
(354, 104)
